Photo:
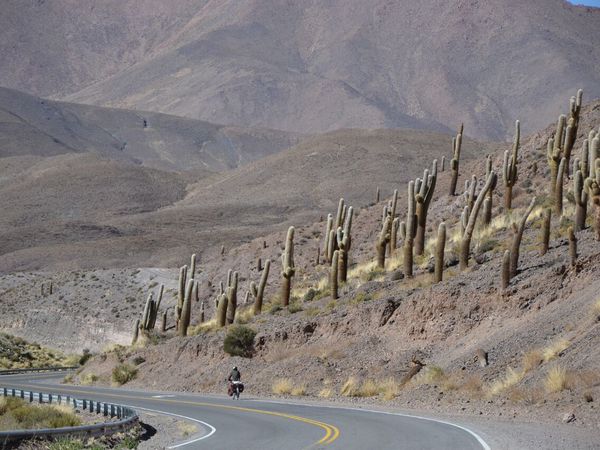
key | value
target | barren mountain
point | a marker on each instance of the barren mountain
(310, 66)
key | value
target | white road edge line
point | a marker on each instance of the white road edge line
(471, 432)
(212, 429)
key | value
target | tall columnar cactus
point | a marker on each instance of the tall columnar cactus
(231, 293)
(440, 248)
(180, 294)
(192, 271)
(333, 275)
(394, 235)
(423, 198)
(136, 332)
(288, 268)
(202, 312)
(221, 310)
(581, 200)
(327, 247)
(592, 185)
(344, 240)
(377, 195)
(471, 192)
(558, 190)
(443, 164)
(186, 311)
(382, 241)
(545, 236)
(517, 237)
(505, 269)
(341, 213)
(572, 247)
(509, 168)
(454, 163)
(410, 231)
(465, 245)
(258, 292)
(488, 204)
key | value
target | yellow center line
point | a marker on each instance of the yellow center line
(331, 431)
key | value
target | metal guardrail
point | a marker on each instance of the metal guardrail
(36, 369)
(126, 418)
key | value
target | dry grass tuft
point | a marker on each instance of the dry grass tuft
(326, 393)
(510, 379)
(186, 429)
(282, 386)
(555, 349)
(556, 380)
(299, 390)
(532, 360)
(350, 388)
(389, 388)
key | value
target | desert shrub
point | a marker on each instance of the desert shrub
(309, 296)
(360, 298)
(510, 379)
(294, 308)
(350, 388)
(85, 357)
(239, 341)
(282, 386)
(123, 373)
(18, 414)
(556, 380)
(555, 349)
(311, 311)
(89, 378)
(299, 390)
(138, 360)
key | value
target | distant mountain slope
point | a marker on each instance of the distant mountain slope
(38, 127)
(311, 66)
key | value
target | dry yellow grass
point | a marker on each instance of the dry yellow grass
(556, 380)
(532, 360)
(510, 379)
(282, 386)
(350, 387)
(326, 393)
(555, 349)
(186, 429)
(429, 375)
(299, 390)
(389, 388)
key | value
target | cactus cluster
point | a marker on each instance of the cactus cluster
(258, 291)
(424, 189)
(592, 181)
(149, 315)
(517, 237)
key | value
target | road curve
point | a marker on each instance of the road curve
(254, 424)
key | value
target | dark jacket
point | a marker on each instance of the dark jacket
(235, 375)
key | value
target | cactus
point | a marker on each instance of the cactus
(231, 293)
(341, 212)
(184, 321)
(192, 271)
(258, 293)
(470, 192)
(465, 245)
(506, 269)
(510, 169)
(439, 253)
(558, 189)
(488, 204)
(333, 275)
(443, 164)
(318, 258)
(163, 323)
(382, 241)
(423, 198)
(377, 195)
(180, 294)
(259, 263)
(327, 247)
(410, 231)
(454, 163)
(288, 268)
(572, 247)
(154, 315)
(545, 238)
(344, 240)
(581, 200)
(394, 235)
(221, 310)
(592, 186)
(136, 331)
(517, 237)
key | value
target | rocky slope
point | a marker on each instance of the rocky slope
(310, 67)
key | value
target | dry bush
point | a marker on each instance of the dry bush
(368, 388)
(282, 386)
(186, 429)
(473, 386)
(350, 388)
(123, 373)
(17, 414)
(556, 380)
(299, 390)
(326, 393)
(532, 359)
(389, 388)
(88, 379)
(429, 375)
(510, 379)
(555, 349)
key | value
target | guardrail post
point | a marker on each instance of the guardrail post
(84, 404)
(97, 407)
(105, 409)
(59, 399)
(13, 392)
(5, 392)
(74, 403)
(50, 398)
(30, 396)
(112, 410)
(22, 394)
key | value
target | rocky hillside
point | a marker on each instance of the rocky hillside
(310, 67)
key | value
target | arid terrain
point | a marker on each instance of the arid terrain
(310, 67)
(141, 134)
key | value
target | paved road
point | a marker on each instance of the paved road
(253, 424)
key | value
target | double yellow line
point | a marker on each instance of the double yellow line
(331, 431)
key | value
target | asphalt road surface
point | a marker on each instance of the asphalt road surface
(252, 424)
